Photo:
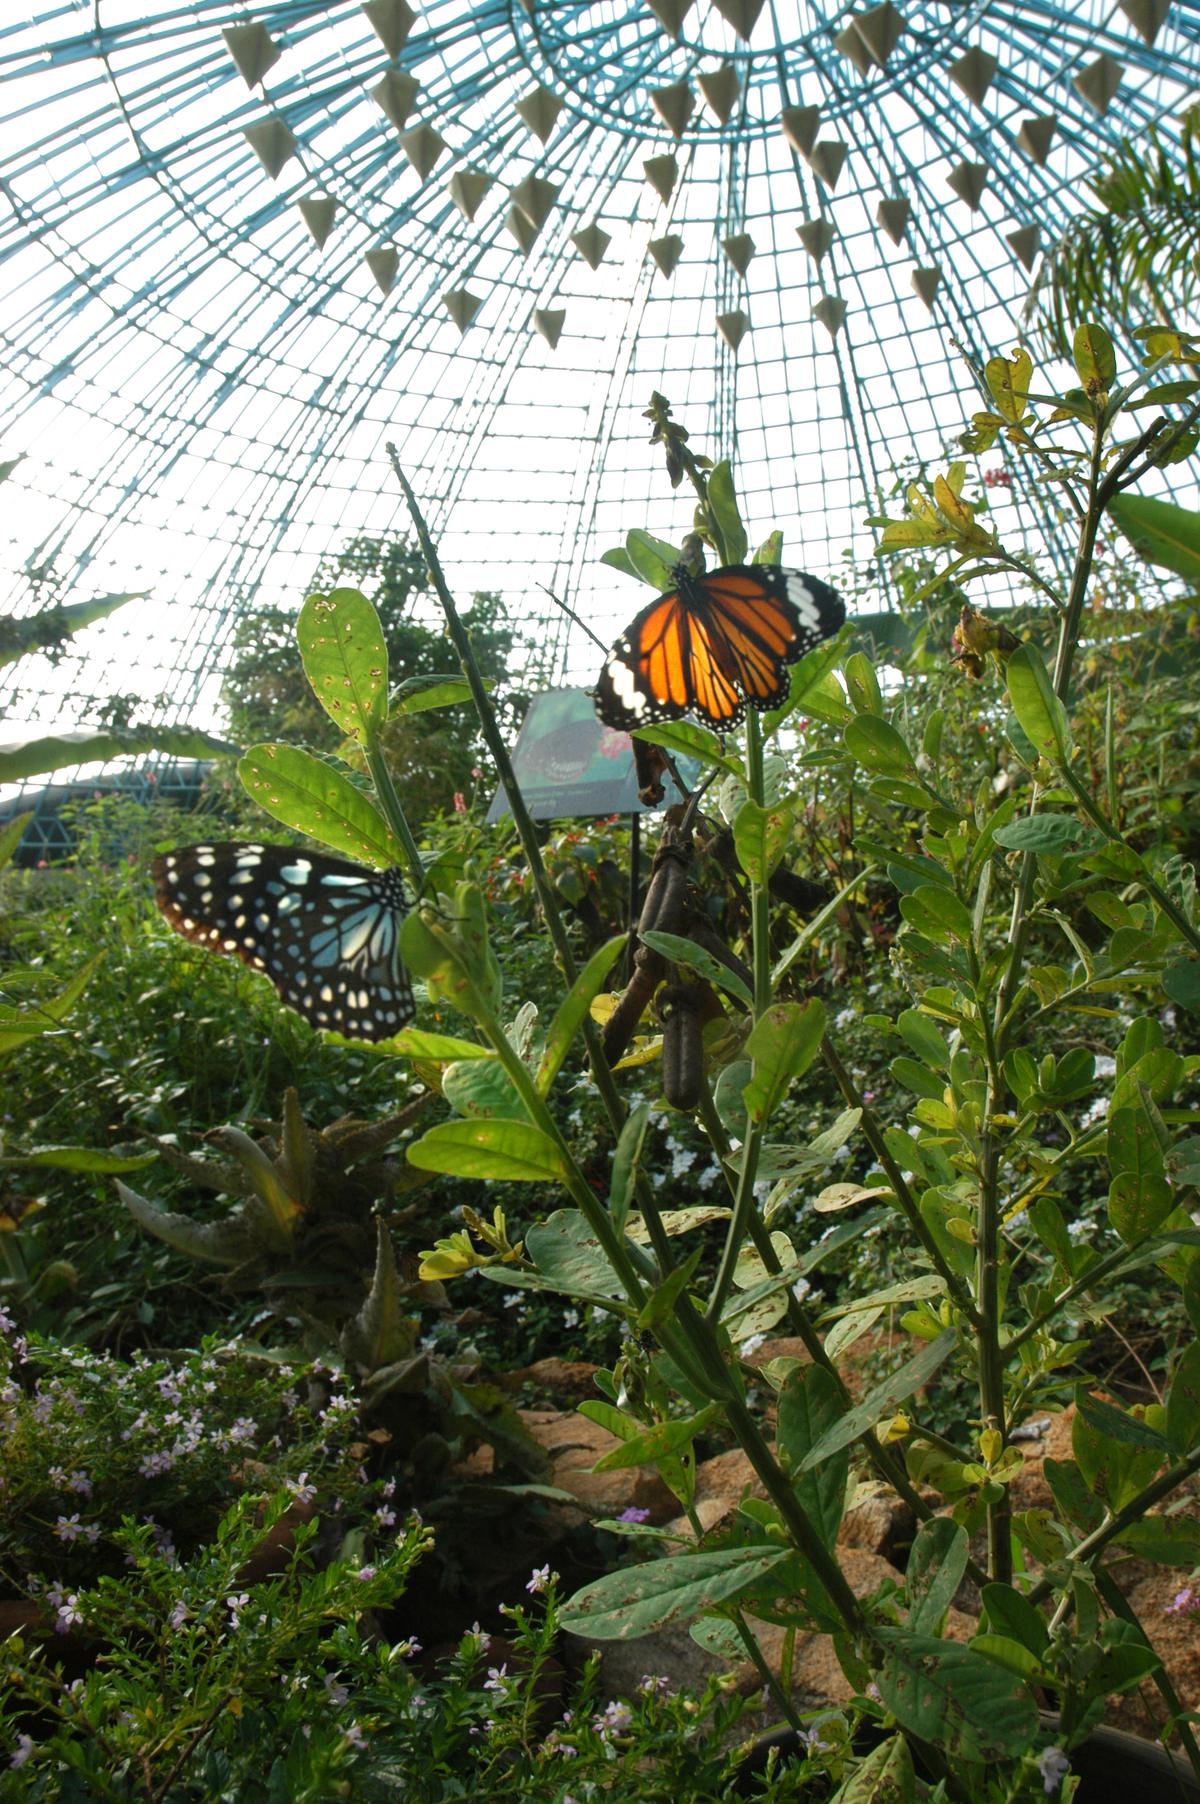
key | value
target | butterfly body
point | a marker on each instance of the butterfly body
(717, 643)
(326, 932)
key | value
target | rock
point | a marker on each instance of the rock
(562, 1381)
(573, 1444)
(879, 1522)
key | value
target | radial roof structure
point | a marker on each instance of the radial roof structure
(245, 246)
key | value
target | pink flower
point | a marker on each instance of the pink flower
(460, 802)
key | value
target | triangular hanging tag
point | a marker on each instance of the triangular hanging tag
(462, 306)
(831, 311)
(1146, 16)
(591, 243)
(816, 235)
(974, 73)
(540, 109)
(893, 216)
(739, 248)
(467, 188)
(1099, 82)
(674, 106)
(721, 90)
(733, 327)
(318, 212)
(1036, 134)
(549, 322)
(391, 21)
(670, 14)
(273, 142)
(968, 181)
(253, 49)
(800, 126)
(741, 14)
(383, 264)
(926, 283)
(395, 94)
(535, 196)
(826, 160)
(423, 146)
(666, 252)
(1026, 242)
(661, 173)
(522, 229)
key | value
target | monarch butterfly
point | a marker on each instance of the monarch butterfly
(715, 645)
(324, 931)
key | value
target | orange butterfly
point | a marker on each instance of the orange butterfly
(715, 645)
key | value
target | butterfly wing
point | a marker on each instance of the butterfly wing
(715, 644)
(324, 931)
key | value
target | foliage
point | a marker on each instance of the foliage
(89, 1440)
(1134, 251)
(211, 1685)
(431, 755)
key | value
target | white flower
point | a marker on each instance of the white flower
(751, 1344)
(1105, 1067)
(539, 1579)
(1054, 1766)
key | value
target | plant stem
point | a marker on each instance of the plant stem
(389, 801)
(955, 1287)
(1087, 1551)
(1143, 880)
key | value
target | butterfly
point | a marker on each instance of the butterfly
(325, 932)
(715, 645)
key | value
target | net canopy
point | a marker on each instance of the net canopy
(246, 246)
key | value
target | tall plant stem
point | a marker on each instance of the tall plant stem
(394, 814)
(991, 1359)
(688, 1337)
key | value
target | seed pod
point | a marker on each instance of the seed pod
(662, 911)
(681, 1006)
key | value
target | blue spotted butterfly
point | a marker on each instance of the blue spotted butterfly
(327, 933)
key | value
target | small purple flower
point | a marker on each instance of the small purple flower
(497, 1679)
(69, 1614)
(614, 1719)
(539, 1579)
(1187, 1599)
(236, 1604)
(1054, 1766)
(68, 1528)
(634, 1514)
(336, 1693)
(24, 1748)
(364, 1573)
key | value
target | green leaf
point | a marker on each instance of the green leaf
(421, 694)
(44, 1015)
(314, 798)
(639, 1599)
(652, 559)
(79, 1158)
(690, 741)
(682, 951)
(481, 1089)
(1117, 1424)
(922, 1037)
(227, 1242)
(1013, 1655)
(1167, 1540)
(625, 1162)
(11, 835)
(664, 1299)
(500, 1149)
(862, 685)
(882, 1402)
(51, 626)
(345, 660)
(723, 502)
(567, 1252)
(1011, 1614)
(936, 1564)
(1072, 1494)
(783, 1044)
(876, 744)
(663, 1440)
(619, 559)
(761, 836)
(380, 1333)
(945, 1693)
(1095, 359)
(574, 1007)
(810, 1405)
(886, 1776)
(20, 758)
(1049, 834)
(1009, 384)
(771, 549)
(1163, 533)
(1181, 981)
(936, 912)
(1041, 715)
(438, 1049)
(918, 1078)
(1183, 1401)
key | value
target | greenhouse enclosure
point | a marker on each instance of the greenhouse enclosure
(599, 940)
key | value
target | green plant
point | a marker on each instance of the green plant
(990, 883)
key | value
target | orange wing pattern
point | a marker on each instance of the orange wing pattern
(715, 645)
